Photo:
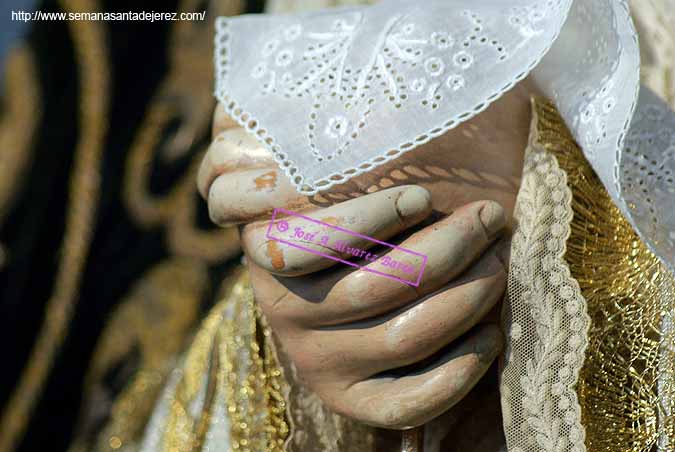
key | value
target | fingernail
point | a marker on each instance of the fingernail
(413, 203)
(493, 218)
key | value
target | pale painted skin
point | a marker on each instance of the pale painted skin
(347, 330)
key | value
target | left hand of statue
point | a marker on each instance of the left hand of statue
(372, 348)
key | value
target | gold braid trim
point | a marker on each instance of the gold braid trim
(231, 363)
(18, 122)
(89, 42)
(182, 96)
(626, 385)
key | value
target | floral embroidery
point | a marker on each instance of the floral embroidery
(408, 64)
(443, 63)
(544, 300)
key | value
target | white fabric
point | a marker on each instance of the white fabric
(316, 87)
(545, 316)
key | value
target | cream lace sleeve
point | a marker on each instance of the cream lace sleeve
(545, 315)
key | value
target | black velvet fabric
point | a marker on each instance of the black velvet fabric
(34, 231)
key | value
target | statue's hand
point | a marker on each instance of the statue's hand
(377, 349)
(372, 348)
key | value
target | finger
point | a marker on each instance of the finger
(230, 151)
(241, 181)
(419, 396)
(379, 215)
(410, 336)
(221, 121)
(451, 245)
(401, 338)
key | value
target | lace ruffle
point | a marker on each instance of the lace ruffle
(545, 316)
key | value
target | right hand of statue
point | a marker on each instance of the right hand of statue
(375, 349)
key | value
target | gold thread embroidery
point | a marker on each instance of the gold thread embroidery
(177, 98)
(155, 320)
(626, 384)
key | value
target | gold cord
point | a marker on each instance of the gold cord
(18, 124)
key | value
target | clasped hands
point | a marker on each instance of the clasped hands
(376, 349)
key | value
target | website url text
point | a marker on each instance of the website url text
(149, 16)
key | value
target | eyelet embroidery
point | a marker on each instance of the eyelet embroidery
(409, 65)
(648, 172)
(329, 80)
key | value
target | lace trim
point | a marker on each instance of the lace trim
(545, 316)
(595, 83)
(252, 125)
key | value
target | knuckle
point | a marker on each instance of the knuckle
(398, 417)
(405, 351)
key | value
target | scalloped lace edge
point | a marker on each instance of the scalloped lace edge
(529, 424)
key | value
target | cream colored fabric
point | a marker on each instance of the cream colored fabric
(546, 317)
(655, 22)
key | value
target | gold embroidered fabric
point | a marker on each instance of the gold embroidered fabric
(20, 115)
(152, 323)
(165, 302)
(84, 189)
(625, 385)
(177, 99)
(228, 394)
